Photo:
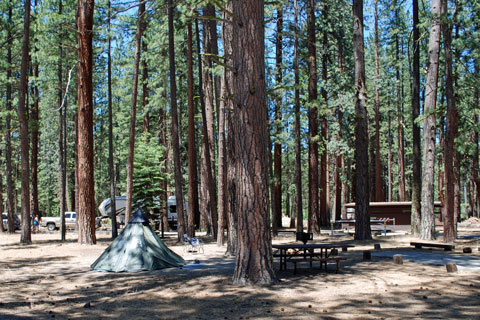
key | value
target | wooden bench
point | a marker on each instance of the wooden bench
(323, 261)
(446, 247)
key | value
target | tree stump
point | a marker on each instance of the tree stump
(397, 259)
(376, 246)
(467, 250)
(451, 267)
(367, 255)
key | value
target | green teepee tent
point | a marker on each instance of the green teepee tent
(137, 248)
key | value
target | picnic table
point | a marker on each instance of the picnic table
(321, 252)
(382, 222)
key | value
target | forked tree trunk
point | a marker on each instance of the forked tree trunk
(26, 236)
(416, 156)
(86, 183)
(362, 216)
(133, 112)
(314, 219)
(428, 170)
(277, 148)
(449, 230)
(298, 145)
(254, 261)
(174, 127)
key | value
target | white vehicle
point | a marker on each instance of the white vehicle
(53, 223)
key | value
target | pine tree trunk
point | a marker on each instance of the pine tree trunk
(86, 183)
(277, 148)
(192, 155)
(324, 219)
(133, 113)
(254, 260)
(298, 145)
(111, 168)
(378, 164)
(339, 185)
(222, 171)
(314, 219)
(475, 180)
(227, 30)
(449, 230)
(174, 131)
(8, 137)
(362, 216)
(26, 236)
(428, 170)
(416, 156)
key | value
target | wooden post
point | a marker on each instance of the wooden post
(451, 267)
(398, 259)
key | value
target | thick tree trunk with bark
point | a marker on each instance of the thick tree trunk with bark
(314, 218)
(133, 112)
(26, 236)
(362, 216)
(449, 230)
(222, 172)
(174, 127)
(192, 155)
(298, 145)
(254, 260)
(416, 156)
(86, 183)
(339, 185)
(34, 120)
(428, 170)
(378, 164)
(277, 148)
(111, 168)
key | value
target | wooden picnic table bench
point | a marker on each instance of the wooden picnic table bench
(445, 246)
(323, 261)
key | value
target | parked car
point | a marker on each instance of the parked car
(16, 221)
(53, 223)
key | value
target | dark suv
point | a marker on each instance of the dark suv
(16, 221)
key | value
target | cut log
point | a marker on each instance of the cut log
(398, 259)
(451, 267)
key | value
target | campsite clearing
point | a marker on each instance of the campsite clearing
(50, 279)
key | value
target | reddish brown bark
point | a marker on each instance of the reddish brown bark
(192, 155)
(378, 164)
(86, 192)
(324, 219)
(254, 262)
(26, 236)
(449, 230)
(362, 216)
(298, 146)
(313, 216)
(174, 131)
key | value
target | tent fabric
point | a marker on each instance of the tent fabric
(137, 248)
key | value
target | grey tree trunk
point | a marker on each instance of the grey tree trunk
(428, 170)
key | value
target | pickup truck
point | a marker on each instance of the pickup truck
(53, 223)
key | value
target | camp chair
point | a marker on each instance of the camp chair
(187, 244)
(197, 243)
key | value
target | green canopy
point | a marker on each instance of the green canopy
(137, 248)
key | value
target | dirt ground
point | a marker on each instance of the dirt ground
(49, 279)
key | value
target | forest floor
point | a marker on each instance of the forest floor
(50, 279)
